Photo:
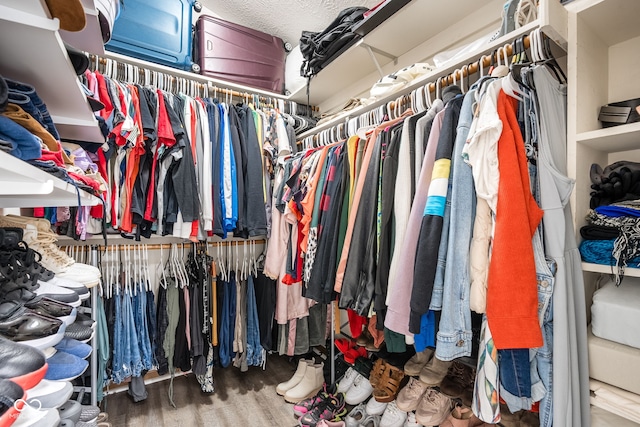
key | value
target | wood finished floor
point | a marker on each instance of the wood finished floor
(240, 399)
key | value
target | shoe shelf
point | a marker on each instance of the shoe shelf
(23, 185)
(607, 269)
(33, 52)
(415, 33)
(90, 38)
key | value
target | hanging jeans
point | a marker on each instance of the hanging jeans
(162, 320)
(254, 349)
(131, 348)
(119, 370)
(227, 326)
(139, 306)
(151, 325)
(102, 338)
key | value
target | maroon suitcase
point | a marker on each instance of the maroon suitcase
(239, 54)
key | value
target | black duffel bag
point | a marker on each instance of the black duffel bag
(319, 49)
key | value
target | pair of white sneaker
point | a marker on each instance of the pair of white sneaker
(355, 386)
(377, 414)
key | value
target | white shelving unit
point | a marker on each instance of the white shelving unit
(413, 35)
(33, 52)
(603, 67)
(23, 185)
(607, 269)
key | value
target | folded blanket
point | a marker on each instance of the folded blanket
(616, 400)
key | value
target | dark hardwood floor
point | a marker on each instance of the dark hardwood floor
(240, 399)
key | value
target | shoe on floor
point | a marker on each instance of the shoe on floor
(375, 408)
(418, 361)
(11, 401)
(389, 385)
(359, 391)
(393, 416)
(75, 347)
(70, 410)
(371, 421)
(50, 394)
(65, 367)
(347, 380)
(410, 396)
(356, 416)
(22, 364)
(434, 372)
(325, 423)
(283, 387)
(459, 417)
(32, 417)
(310, 384)
(459, 378)
(377, 371)
(411, 421)
(433, 409)
(301, 408)
(330, 409)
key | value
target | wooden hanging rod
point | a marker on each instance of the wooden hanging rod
(486, 60)
(158, 246)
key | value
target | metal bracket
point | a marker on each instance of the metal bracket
(373, 50)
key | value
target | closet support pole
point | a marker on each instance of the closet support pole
(94, 340)
(333, 347)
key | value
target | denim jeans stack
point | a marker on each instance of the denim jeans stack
(132, 350)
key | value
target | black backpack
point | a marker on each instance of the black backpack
(319, 49)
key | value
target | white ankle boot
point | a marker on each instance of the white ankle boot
(282, 388)
(310, 384)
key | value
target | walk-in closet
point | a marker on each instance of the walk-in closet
(357, 213)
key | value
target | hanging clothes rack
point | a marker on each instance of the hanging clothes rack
(395, 104)
(158, 246)
(117, 67)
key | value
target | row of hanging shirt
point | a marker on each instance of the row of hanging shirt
(183, 166)
(402, 226)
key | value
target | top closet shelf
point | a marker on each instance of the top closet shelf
(33, 52)
(612, 21)
(613, 139)
(25, 186)
(415, 33)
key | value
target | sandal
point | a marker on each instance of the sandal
(376, 372)
(389, 385)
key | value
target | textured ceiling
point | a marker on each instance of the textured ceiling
(283, 18)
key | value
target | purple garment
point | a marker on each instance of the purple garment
(82, 160)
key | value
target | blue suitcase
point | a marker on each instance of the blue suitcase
(158, 31)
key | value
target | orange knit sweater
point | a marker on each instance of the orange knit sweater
(512, 295)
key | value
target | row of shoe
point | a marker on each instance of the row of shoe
(28, 398)
(36, 307)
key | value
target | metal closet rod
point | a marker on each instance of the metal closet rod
(269, 101)
(157, 246)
